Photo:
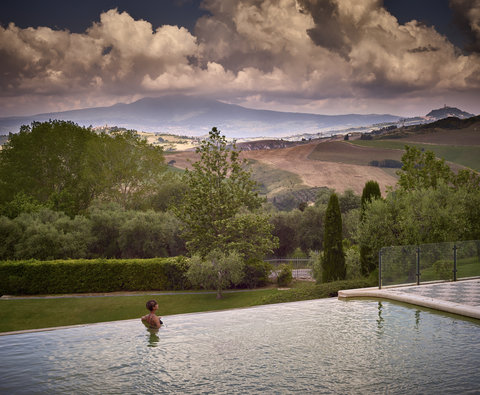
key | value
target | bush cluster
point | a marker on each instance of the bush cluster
(109, 275)
(104, 232)
(98, 275)
(317, 291)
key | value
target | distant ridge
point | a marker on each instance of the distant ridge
(195, 116)
(447, 112)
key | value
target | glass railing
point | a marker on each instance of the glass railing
(429, 262)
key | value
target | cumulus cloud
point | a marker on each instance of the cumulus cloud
(467, 17)
(310, 55)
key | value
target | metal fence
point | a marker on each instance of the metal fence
(301, 268)
(428, 262)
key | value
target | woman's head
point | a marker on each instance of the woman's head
(151, 304)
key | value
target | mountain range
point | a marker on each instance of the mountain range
(195, 116)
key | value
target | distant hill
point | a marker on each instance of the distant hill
(195, 116)
(447, 112)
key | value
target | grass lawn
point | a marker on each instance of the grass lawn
(20, 314)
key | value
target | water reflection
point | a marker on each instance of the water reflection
(153, 338)
(417, 319)
(380, 320)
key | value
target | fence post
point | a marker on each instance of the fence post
(455, 262)
(418, 265)
(380, 269)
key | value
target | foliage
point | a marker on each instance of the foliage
(217, 270)
(316, 291)
(46, 161)
(100, 275)
(21, 203)
(350, 222)
(348, 200)
(371, 191)
(421, 169)
(148, 235)
(352, 262)
(420, 216)
(48, 234)
(218, 212)
(170, 192)
(285, 229)
(285, 276)
(333, 264)
(310, 229)
(65, 166)
(124, 168)
(255, 274)
(107, 231)
(315, 263)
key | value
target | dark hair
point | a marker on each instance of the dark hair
(151, 304)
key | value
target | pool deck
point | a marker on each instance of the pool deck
(457, 297)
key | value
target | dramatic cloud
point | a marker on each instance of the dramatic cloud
(467, 17)
(328, 56)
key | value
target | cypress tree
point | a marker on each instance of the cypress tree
(368, 262)
(333, 267)
(371, 191)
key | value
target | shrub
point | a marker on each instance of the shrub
(256, 273)
(317, 291)
(284, 275)
(99, 275)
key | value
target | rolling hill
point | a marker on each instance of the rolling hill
(194, 116)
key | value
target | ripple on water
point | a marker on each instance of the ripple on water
(322, 346)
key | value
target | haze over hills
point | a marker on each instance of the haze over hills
(195, 116)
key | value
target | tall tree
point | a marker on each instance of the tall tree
(333, 264)
(219, 209)
(66, 166)
(371, 192)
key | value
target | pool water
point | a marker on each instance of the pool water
(321, 346)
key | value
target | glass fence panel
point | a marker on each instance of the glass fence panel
(429, 262)
(468, 258)
(398, 265)
(436, 261)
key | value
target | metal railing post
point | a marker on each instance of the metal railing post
(380, 269)
(418, 265)
(454, 262)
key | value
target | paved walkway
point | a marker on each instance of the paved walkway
(458, 297)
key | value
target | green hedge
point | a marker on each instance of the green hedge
(96, 275)
(317, 291)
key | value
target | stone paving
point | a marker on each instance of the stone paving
(462, 292)
(458, 297)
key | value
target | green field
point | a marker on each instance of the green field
(468, 156)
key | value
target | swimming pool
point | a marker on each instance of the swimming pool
(320, 346)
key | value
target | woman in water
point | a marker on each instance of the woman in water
(152, 320)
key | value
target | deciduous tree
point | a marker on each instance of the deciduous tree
(219, 209)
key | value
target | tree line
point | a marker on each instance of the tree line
(70, 192)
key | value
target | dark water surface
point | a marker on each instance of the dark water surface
(321, 346)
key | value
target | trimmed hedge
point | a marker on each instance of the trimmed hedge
(318, 291)
(96, 275)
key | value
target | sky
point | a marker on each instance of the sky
(402, 57)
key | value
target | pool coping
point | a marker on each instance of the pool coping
(432, 303)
